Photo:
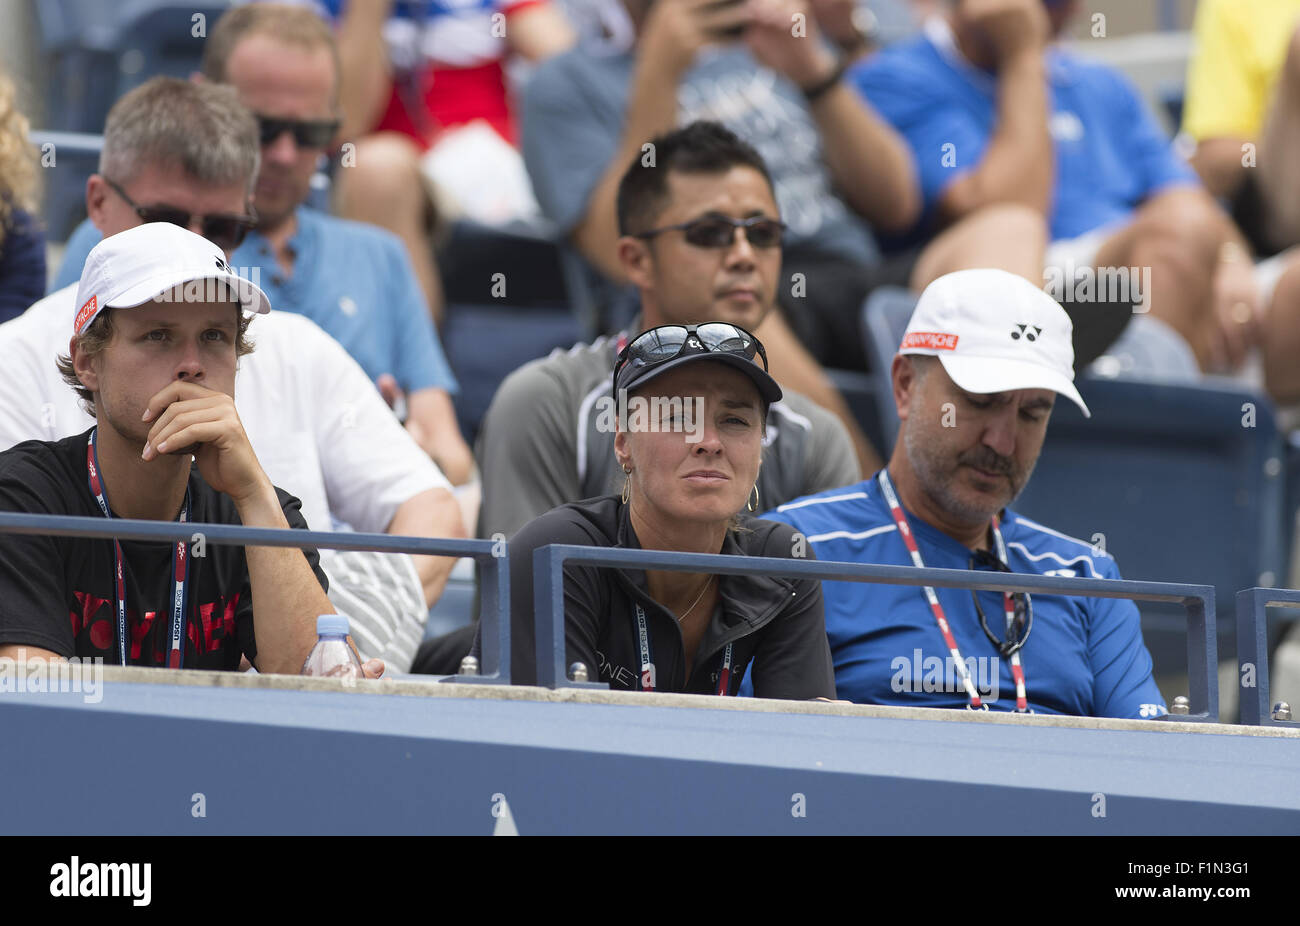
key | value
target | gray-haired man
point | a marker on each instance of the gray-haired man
(188, 153)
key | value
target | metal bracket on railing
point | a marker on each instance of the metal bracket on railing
(548, 595)
(491, 556)
(1252, 653)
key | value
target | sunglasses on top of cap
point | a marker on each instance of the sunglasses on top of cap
(719, 231)
(225, 230)
(307, 133)
(668, 342)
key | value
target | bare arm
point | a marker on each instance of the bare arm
(286, 593)
(795, 369)
(538, 32)
(868, 161)
(366, 81)
(672, 33)
(1018, 163)
(287, 597)
(1218, 162)
(432, 513)
(431, 419)
(20, 651)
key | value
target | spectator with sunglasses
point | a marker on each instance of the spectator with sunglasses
(837, 168)
(974, 380)
(353, 280)
(690, 473)
(186, 153)
(701, 238)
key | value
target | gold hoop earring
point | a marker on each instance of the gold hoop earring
(753, 506)
(627, 485)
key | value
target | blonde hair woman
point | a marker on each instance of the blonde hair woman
(691, 443)
(22, 243)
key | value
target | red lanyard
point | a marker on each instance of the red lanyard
(648, 667)
(180, 570)
(1017, 671)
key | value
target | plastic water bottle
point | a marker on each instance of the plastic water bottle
(332, 657)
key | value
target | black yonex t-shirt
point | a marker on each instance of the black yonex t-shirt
(57, 593)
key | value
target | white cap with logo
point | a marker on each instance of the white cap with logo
(995, 332)
(134, 266)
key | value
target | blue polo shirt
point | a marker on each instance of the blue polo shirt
(1083, 657)
(1111, 154)
(353, 280)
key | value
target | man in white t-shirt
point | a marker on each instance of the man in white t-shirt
(319, 427)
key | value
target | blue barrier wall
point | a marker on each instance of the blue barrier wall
(328, 762)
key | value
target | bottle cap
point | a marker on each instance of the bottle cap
(331, 623)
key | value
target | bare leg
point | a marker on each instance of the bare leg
(1007, 237)
(384, 187)
(1280, 337)
(1279, 167)
(1177, 234)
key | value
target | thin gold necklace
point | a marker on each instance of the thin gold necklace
(707, 583)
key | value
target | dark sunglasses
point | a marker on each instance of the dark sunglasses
(1023, 620)
(226, 230)
(307, 133)
(719, 231)
(668, 342)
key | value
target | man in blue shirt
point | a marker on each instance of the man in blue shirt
(354, 280)
(975, 380)
(994, 116)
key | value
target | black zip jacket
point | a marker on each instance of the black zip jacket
(776, 623)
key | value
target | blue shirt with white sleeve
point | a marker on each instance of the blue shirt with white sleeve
(1110, 153)
(1083, 656)
(353, 280)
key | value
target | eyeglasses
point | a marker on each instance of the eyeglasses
(668, 342)
(719, 231)
(225, 230)
(1023, 615)
(307, 133)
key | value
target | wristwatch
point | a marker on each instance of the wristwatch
(819, 89)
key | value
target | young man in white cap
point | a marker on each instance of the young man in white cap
(159, 327)
(975, 379)
(187, 152)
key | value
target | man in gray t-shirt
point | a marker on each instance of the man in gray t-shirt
(544, 441)
(761, 69)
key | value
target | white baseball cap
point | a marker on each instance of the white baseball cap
(995, 332)
(134, 266)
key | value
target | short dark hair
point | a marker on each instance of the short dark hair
(701, 147)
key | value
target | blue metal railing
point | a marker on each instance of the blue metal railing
(1252, 652)
(548, 592)
(490, 555)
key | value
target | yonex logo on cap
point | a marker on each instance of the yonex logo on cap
(222, 265)
(1026, 333)
(84, 314)
(930, 340)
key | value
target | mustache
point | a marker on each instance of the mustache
(990, 461)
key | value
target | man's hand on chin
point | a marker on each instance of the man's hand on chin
(189, 418)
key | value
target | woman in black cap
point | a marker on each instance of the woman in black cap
(692, 406)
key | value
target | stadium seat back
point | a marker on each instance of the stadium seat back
(1181, 483)
(885, 315)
